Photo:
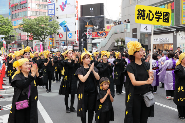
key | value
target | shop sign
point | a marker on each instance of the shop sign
(182, 37)
(162, 40)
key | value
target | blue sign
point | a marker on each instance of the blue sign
(63, 43)
(70, 35)
(51, 9)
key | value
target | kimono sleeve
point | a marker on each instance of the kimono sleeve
(130, 68)
(79, 71)
(100, 95)
(95, 69)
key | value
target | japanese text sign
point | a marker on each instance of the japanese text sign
(152, 15)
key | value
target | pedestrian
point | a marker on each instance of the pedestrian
(168, 74)
(25, 88)
(87, 88)
(179, 94)
(69, 83)
(57, 65)
(10, 67)
(96, 59)
(137, 84)
(105, 112)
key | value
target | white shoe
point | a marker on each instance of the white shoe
(168, 97)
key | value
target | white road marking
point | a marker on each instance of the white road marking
(4, 118)
(44, 114)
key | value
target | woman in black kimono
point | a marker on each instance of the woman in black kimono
(23, 81)
(57, 66)
(47, 74)
(40, 64)
(96, 60)
(87, 88)
(138, 83)
(69, 83)
(105, 69)
(10, 67)
(179, 94)
(118, 72)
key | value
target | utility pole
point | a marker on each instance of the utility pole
(66, 38)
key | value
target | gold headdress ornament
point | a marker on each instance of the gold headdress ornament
(65, 52)
(22, 51)
(46, 53)
(102, 84)
(13, 56)
(133, 46)
(105, 53)
(144, 49)
(27, 49)
(35, 53)
(117, 54)
(10, 54)
(19, 63)
(181, 57)
(95, 53)
(31, 55)
(17, 53)
(86, 52)
(41, 53)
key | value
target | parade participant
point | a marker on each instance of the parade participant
(87, 88)
(105, 112)
(118, 72)
(105, 69)
(17, 55)
(179, 94)
(27, 54)
(137, 84)
(167, 73)
(57, 66)
(40, 64)
(96, 59)
(10, 67)
(47, 70)
(161, 62)
(25, 85)
(69, 83)
(51, 56)
(155, 67)
(36, 57)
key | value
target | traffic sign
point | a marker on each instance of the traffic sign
(152, 15)
(60, 35)
(70, 35)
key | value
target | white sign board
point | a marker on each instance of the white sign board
(66, 7)
(163, 39)
(146, 28)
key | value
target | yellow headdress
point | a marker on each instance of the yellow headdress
(35, 53)
(133, 46)
(65, 52)
(27, 49)
(102, 84)
(95, 53)
(19, 63)
(31, 55)
(22, 51)
(13, 56)
(181, 57)
(46, 53)
(17, 53)
(10, 54)
(41, 53)
(105, 53)
(117, 54)
(86, 52)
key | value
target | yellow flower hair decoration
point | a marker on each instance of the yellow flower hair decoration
(95, 53)
(35, 53)
(133, 46)
(65, 52)
(31, 55)
(102, 84)
(27, 49)
(13, 56)
(17, 53)
(117, 54)
(10, 54)
(19, 63)
(86, 52)
(41, 53)
(181, 57)
(46, 53)
(22, 51)
(105, 53)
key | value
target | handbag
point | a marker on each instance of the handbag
(23, 104)
(149, 99)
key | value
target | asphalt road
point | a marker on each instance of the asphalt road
(51, 107)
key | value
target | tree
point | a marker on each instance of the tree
(40, 28)
(5, 26)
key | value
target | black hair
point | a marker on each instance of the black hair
(154, 56)
(131, 58)
(171, 54)
(103, 79)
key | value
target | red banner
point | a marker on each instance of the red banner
(100, 34)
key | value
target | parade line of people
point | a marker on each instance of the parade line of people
(92, 79)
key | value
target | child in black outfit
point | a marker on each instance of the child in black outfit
(105, 111)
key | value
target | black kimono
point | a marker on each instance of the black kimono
(105, 112)
(95, 61)
(87, 94)
(105, 70)
(21, 88)
(133, 91)
(58, 67)
(10, 71)
(179, 94)
(41, 66)
(119, 74)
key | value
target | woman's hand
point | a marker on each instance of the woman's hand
(92, 67)
(151, 74)
(150, 80)
(34, 69)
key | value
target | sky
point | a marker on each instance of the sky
(111, 10)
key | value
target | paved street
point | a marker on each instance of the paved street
(51, 107)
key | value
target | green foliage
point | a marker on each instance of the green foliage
(5, 26)
(40, 28)
(13, 32)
